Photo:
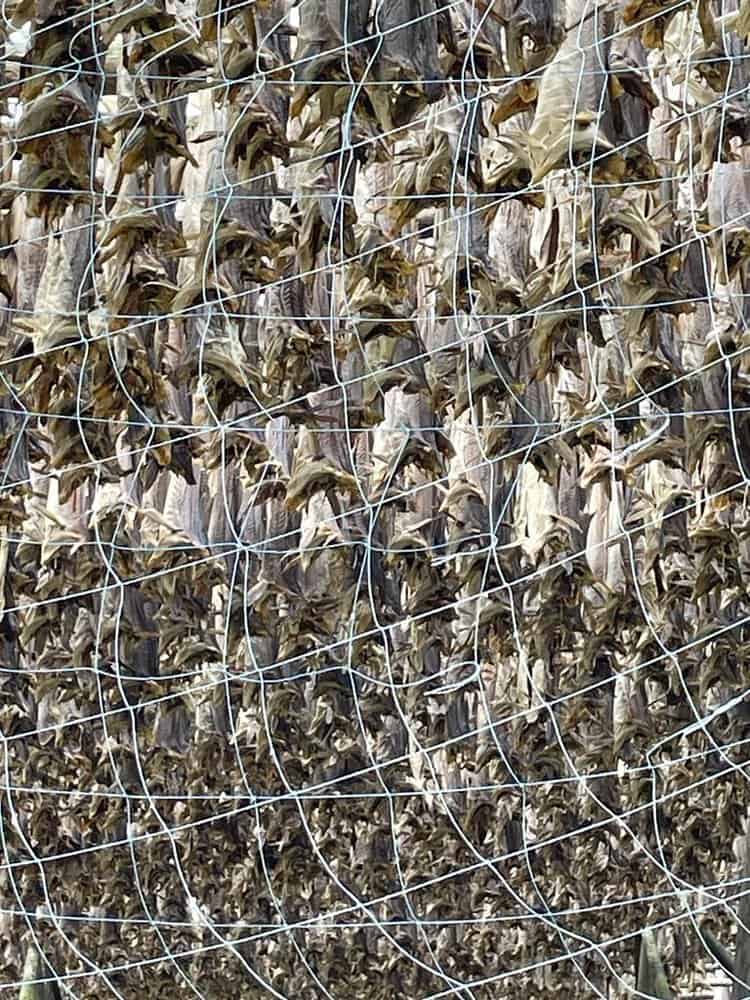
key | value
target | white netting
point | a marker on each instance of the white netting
(374, 539)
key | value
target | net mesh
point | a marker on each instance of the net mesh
(374, 538)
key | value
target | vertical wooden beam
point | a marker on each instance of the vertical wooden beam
(652, 979)
(742, 947)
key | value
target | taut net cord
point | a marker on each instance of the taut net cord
(374, 525)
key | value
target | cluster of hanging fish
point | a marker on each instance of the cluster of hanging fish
(374, 530)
